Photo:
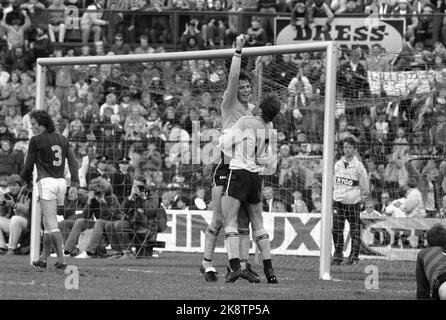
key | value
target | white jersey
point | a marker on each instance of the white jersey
(350, 181)
(231, 109)
(245, 142)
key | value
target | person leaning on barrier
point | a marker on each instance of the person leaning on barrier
(431, 265)
(140, 213)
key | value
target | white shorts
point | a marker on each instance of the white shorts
(52, 189)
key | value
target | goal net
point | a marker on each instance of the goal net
(158, 115)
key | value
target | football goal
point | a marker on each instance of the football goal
(135, 100)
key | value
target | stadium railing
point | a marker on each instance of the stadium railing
(178, 18)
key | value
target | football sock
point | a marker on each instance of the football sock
(56, 238)
(234, 264)
(244, 246)
(46, 246)
(267, 264)
(232, 243)
(262, 239)
(210, 241)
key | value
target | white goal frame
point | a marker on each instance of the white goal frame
(329, 120)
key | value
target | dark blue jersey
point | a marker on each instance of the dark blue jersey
(431, 263)
(49, 151)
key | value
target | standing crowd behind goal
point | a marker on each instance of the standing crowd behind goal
(140, 114)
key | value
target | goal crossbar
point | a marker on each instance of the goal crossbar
(329, 119)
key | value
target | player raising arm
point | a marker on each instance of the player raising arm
(249, 139)
(48, 150)
(235, 105)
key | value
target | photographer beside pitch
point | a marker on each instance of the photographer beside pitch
(15, 208)
(140, 212)
(351, 187)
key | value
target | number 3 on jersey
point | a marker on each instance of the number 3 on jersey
(57, 155)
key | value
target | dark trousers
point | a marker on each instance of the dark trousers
(349, 212)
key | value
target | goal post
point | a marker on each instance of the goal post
(327, 47)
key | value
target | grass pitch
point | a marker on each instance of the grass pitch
(176, 276)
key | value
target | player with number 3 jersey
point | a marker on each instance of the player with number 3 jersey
(49, 150)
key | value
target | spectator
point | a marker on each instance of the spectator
(267, 21)
(56, 20)
(404, 9)
(141, 21)
(22, 142)
(430, 189)
(270, 202)
(10, 93)
(4, 75)
(15, 209)
(114, 83)
(119, 47)
(11, 162)
(16, 32)
(91, 21)
(382, 205)
(370, 212)
(320, 9)
(232, 27)
(298, 206)
(144, 45)
(376, 61)
(160, 28)
(299, 14)
(214, 32)
(122, 180)
(140, 213)
(183, 203)
(13, 121)
(18, 59)
(199, 202)
(64, 80)
(385, 6)
(352, 7)
(166, 200)
(411, 205)
(256, 33)
(191, 39)
(425, 27)
(41, 44)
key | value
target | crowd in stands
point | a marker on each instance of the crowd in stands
(136, 121)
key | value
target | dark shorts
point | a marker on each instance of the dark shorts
(436, 285)
(220, 173)
(245, 186)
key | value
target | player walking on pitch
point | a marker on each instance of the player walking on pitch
(235, 105)
(48, 150)
(249, 138)
(351, 187)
